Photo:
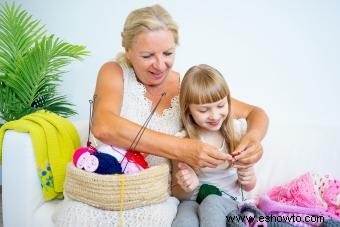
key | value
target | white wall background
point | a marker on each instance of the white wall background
(281, 55)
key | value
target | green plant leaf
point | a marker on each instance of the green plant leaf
(32, 65)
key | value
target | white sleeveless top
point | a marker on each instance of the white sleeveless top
(224, 178)
(136, 108)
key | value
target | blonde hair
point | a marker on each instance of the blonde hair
(146, 19)
(204, 84)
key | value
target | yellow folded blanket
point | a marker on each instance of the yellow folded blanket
(54, 141)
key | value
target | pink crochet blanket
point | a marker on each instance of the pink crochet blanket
(309, 194)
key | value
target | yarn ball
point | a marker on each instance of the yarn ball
(83, 159)
(130, 167)
(79, 152)
(133, 162)
(107, 164)
(205, 190)
(137, 157)
(130, 161)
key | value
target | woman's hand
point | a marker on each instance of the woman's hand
(199, 154)
(249, 150)
(186, 177)
(247, 153)
(247, 178)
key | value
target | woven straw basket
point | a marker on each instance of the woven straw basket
(118, 192)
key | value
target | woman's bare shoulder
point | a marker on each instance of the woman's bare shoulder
(174, 83)
(175, 74)
(110, 68)
(175, 77)
(110, 78)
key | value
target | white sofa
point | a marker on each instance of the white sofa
(289, 152)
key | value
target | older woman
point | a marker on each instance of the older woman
(127, 90)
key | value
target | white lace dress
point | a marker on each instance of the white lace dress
(137, 108)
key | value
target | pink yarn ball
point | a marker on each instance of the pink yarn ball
(79, 152)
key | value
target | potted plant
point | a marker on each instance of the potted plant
(31, 66)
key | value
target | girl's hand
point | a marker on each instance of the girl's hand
(247, 153)
(186, 177)
(247, 178)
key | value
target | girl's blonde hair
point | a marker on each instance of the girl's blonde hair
(204, 84)
(152, 18)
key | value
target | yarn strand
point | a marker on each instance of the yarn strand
(122, 189)
(243, 199)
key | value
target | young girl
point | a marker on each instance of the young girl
(206, 116)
